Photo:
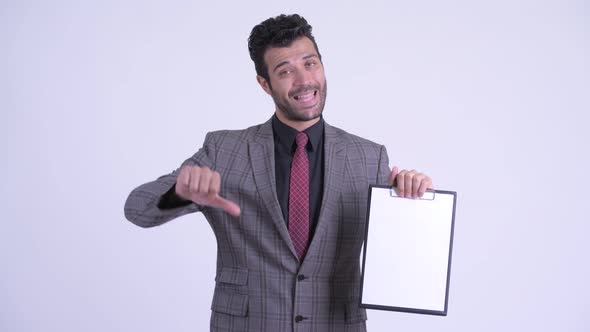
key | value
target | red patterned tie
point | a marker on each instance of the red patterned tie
(299, 198)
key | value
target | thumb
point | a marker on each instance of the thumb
(226, 205)
(392, 176)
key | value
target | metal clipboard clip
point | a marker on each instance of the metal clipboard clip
(428, 195)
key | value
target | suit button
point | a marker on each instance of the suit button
(301, 277)
(298, 319)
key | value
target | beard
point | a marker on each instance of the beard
(292, 112)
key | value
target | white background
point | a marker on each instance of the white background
(490, 98)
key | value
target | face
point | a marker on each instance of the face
(297, 83)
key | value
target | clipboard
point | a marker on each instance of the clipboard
(406, 263)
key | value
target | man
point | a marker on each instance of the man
(286, 199)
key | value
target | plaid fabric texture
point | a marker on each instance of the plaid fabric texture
(260, 284)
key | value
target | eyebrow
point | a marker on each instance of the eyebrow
(287, 62)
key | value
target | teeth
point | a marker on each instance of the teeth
(306, 96)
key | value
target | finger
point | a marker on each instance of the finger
(205, 181)
(214, 185)
(408, 184)
(424, 185)
(392, 175)
(195, 178)
(416, 182)
(401, 184)
(226, 205)
(182, 182)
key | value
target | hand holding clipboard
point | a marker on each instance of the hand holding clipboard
(408, 245)
(409, 184)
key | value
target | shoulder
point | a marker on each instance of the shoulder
(352, 141)
(237, 136)
(357, 148)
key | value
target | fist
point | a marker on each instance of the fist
(409, 184)
(201, 185)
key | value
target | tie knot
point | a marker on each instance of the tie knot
(301, 139)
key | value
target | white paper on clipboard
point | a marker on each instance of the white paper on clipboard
(407, 251)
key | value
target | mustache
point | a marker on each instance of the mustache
(304, 88)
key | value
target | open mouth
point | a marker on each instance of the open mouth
(306, 96)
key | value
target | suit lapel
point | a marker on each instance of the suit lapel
(334, 160)
(261, 151)
(262, 159)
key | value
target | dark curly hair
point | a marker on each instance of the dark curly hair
(278, 31)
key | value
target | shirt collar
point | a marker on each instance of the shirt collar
(286, 135)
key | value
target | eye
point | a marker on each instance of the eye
(285, 72)
(310, 64)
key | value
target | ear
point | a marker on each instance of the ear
(263, 83)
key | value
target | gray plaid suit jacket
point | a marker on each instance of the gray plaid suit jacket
(260, 285)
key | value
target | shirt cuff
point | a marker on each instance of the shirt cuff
(171, 201)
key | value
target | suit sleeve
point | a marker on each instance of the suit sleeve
(155, 203)
(383, 171)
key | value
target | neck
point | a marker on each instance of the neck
(297, 125)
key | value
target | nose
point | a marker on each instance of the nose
(303, 77)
